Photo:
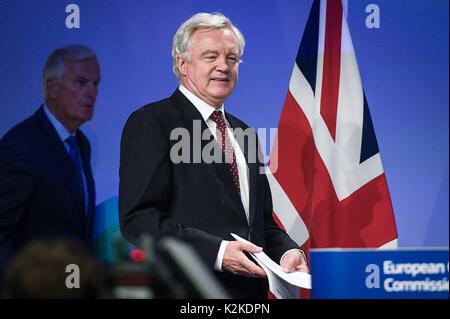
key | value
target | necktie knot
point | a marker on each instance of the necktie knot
(217, 117)
(72, 142)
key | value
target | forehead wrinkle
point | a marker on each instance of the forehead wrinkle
(225, 31)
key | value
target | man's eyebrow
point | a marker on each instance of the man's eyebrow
(217, 52)
(210, 52)
(81, 77)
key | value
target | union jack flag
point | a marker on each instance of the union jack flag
(327, 180)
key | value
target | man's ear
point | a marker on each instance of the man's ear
(181, 61)
(52, 87)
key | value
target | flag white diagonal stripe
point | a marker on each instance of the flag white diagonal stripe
(302, 93)
(286, 212)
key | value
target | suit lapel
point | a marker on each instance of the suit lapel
(86, 155)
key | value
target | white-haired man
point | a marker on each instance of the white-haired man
(196, 199)
(46, 183)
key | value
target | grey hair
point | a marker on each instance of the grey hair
(183, 36)
(55, 65)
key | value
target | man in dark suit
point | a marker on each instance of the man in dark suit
(46, 183)
(175, 180)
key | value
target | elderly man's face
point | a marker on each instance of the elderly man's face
(74, 96)
(212, 72)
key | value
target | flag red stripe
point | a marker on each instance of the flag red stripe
(362, 220)
(331, 65)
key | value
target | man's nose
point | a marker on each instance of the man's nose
(92, 90)
(222, 64)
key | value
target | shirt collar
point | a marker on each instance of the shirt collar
(204, 108)
(63, 133)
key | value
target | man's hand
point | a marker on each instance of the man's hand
(294, 261)
(235, 261)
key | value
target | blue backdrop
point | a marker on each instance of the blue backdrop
(403, 65)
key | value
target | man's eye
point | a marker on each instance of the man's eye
(233, 59)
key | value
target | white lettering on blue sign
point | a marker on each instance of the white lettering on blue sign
(392, 285)
(413, 269)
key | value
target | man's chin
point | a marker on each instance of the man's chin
(86, 116)
(221, 95)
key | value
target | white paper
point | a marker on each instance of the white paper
(282, 285)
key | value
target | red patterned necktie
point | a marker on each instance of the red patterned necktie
(227, 147)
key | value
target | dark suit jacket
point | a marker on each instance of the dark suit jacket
(196, 202)
(38, 196)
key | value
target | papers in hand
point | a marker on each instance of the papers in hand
(282, 285)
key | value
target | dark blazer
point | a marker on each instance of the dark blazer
(196, 202)
(38, 196)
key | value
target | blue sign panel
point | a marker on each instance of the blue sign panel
(386, 274)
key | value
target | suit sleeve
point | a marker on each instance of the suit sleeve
(16, 188)
(145, 188)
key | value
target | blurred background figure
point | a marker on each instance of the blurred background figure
(46, 183)
(53, 268)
